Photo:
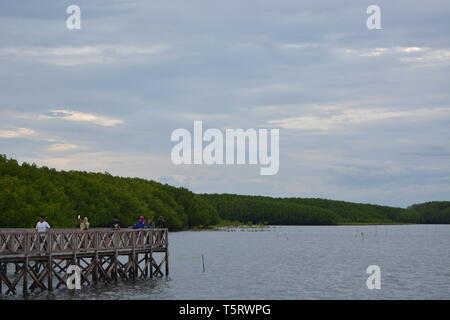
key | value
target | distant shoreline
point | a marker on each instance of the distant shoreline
(102, 197)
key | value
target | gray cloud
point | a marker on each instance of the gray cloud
(363, 114)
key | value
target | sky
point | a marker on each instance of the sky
(363, 114)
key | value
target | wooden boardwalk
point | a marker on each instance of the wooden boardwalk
(30, 261)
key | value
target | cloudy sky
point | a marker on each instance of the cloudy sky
(363, 114)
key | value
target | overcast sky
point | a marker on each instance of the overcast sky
(363, 114)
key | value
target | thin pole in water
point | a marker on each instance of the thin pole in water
(203, 262)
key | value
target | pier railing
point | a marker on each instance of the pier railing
(20, 242)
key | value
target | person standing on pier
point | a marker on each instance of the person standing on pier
(161, 222)
(84, 224)
(116, 224)
(150, 224)
(42, 226)
(140, 224)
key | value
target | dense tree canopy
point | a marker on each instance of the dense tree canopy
(27, 191)
(433, 212)
(292, 211)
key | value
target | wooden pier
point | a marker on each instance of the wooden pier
(30, 261)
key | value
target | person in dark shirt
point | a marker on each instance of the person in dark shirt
(116, 224)
(161, 223)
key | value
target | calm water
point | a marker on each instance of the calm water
(305, 262)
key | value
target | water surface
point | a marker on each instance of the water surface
(295, 262)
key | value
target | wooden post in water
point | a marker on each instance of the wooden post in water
(115, 271)
(95, 258)
(151, 263)
(203, 262)
(95, 272)
(1, 271)
(151, 253)
(167, 252)
(133, 261)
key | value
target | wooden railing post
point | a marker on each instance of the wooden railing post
(115, 261)
(75, 246)
(37, 242)
(95, 258)
(97, 240)
(151, 253)
(134, 238)
(49, 242)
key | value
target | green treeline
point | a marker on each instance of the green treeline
(27, 191)
(293, 211)
(433, 212)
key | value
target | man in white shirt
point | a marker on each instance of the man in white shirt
(42, 225)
